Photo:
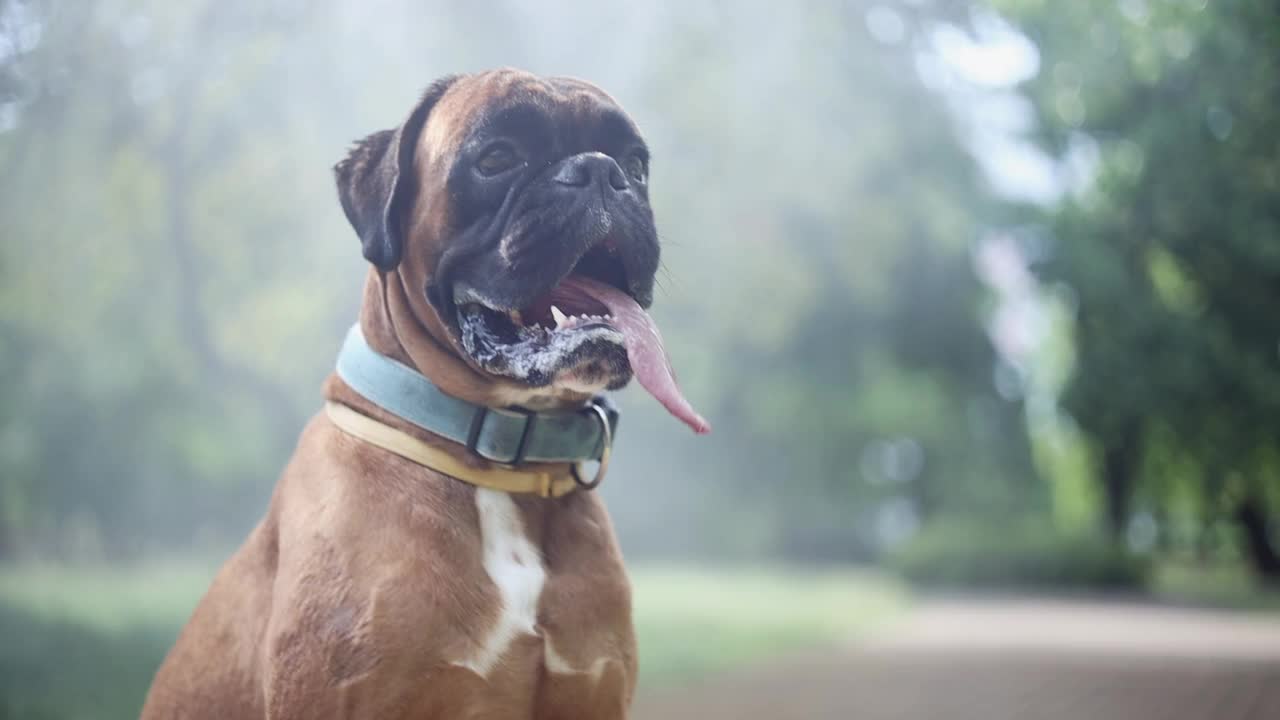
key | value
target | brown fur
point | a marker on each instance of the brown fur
(364, 583)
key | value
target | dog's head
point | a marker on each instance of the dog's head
(515, 209)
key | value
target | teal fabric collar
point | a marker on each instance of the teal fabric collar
(504, 435)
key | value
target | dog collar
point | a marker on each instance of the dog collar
(550, 480)
(508, 436)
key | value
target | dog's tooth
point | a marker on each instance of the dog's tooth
(516, 318)
(558, 315)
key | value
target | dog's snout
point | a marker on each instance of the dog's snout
(591, 168)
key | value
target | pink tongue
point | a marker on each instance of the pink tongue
(644, 349)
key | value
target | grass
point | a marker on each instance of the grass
(1222, 585)
(107, 598)
(84, 642)
(693, 621)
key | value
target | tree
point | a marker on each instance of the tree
(135, 276)
(847, 360)
(1172, 247)
(176, 270)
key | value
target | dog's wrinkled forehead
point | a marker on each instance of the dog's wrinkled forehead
(506, 98)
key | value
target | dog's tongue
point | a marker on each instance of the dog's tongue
(644, 349)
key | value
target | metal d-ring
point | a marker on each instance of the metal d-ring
(603, 417)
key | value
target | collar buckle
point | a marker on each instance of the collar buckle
(477, 427)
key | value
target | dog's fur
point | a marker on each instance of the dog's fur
(375, 588)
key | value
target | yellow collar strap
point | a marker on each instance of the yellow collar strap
(549, 480)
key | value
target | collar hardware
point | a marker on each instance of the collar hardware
(530, 418)
(603, 416)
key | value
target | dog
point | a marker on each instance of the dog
(432, 549)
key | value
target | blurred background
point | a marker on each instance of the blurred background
(982, 298)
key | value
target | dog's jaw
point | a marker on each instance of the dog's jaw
(558, 395)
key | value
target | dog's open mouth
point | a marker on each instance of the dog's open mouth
(586, 328)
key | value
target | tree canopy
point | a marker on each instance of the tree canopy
(1171, 247)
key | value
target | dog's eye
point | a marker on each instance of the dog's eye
(498, 158)
(634, 165)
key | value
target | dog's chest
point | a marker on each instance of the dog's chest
(515, 567)
(554, 638)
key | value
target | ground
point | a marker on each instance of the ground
(733, 643)
(1013, 659)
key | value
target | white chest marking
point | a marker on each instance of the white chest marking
(559, 665)
(515, 567)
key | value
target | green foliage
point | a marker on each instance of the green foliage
(141, 401)
(60, 670)
(85, 642)
(175, 272)
(822, 296)
(1025, 555)
(1221, 585)
(1170, 243)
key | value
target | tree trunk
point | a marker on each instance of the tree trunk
(6, 541)
(1118, 463)
(1252, 516)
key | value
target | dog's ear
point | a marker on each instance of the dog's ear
(376, 182)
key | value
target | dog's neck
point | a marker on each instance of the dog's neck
(392, 328)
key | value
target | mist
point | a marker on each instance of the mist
(976, 295)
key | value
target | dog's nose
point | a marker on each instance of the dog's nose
(591, 168)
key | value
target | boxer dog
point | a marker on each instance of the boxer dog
(512, 251)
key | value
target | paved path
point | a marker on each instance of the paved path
(1015, 660)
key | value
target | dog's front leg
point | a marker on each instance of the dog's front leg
(318, 652)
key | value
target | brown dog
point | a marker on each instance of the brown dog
(376, 587)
